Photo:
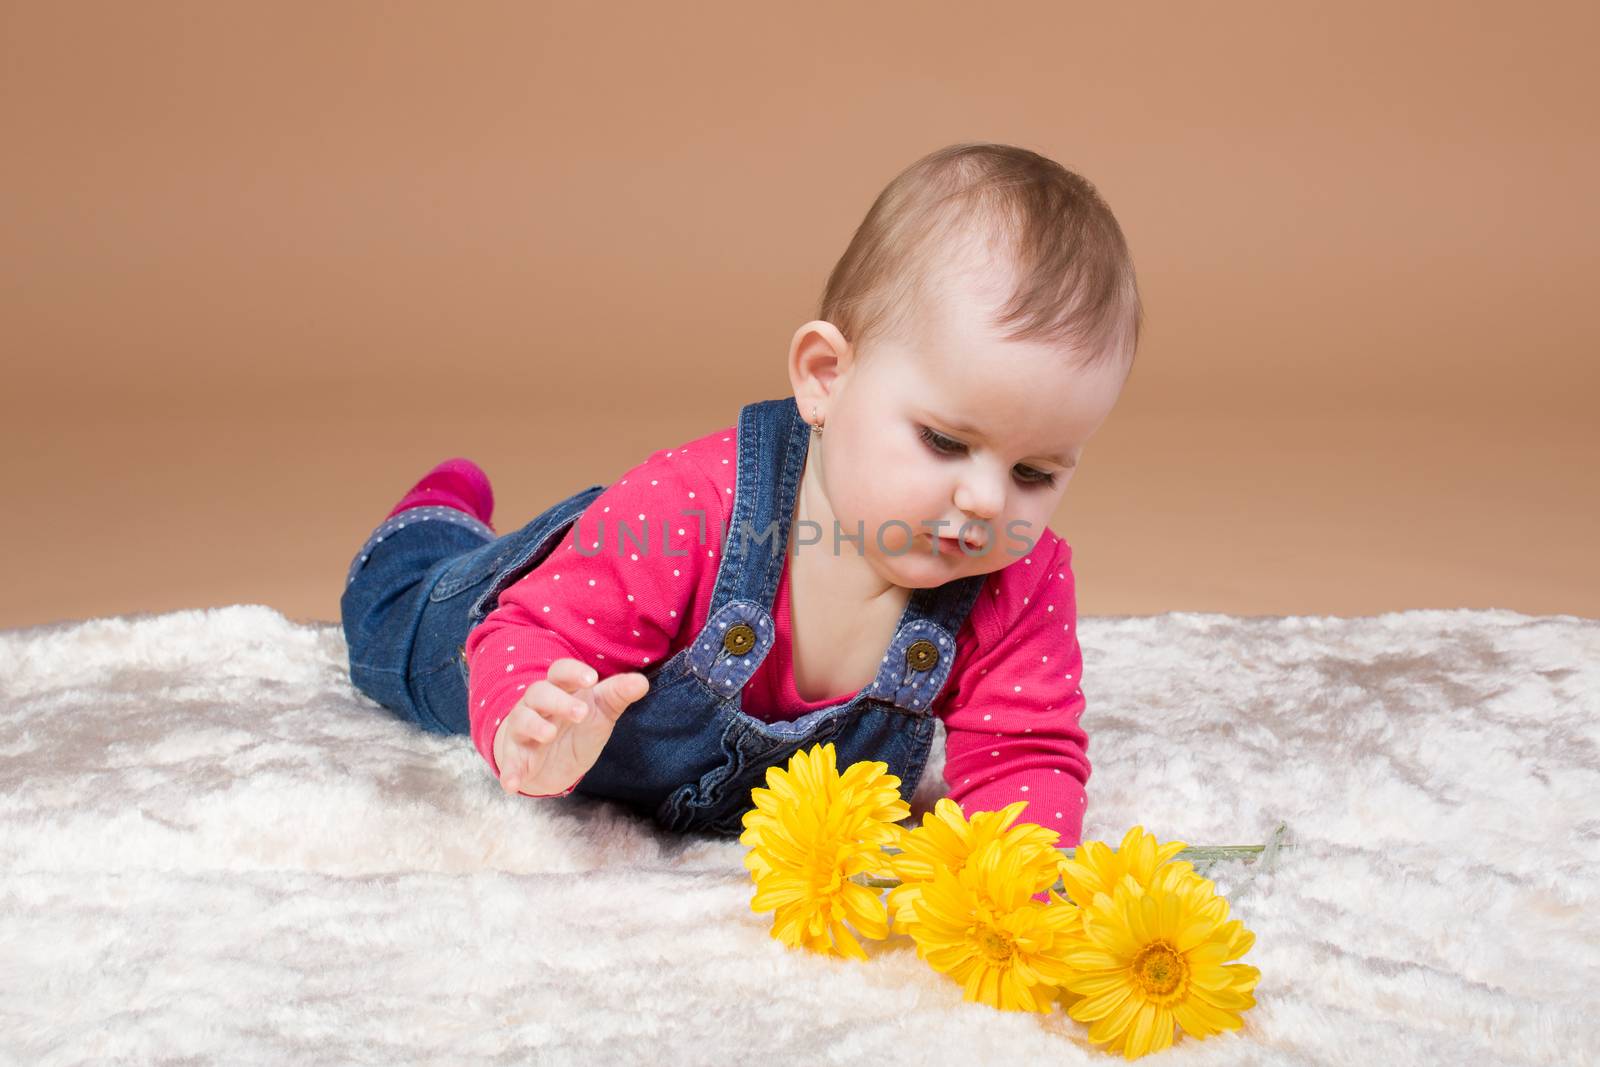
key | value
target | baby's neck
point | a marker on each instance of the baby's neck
(843, 579)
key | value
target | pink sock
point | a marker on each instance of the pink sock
(456, 483)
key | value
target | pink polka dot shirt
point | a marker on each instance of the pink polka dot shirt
(1010, 707)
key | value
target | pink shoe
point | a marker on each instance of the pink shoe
(456, 483)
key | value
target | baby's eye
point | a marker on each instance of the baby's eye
(1034, 476)
(944, 446)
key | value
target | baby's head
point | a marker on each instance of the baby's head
(974, 335)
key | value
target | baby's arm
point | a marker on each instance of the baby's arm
(1012, 728)
(614, 611)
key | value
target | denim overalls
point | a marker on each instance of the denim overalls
(684, 754)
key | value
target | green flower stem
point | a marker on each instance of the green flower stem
(1203, 857)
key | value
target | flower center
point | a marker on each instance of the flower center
(826, 880)
(996, 945)
(1159, 969)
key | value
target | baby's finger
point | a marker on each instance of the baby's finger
(555, 703)
(531, 727)
(571, 675)
(513, 768)
(613, 695)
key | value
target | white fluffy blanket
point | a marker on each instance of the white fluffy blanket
(215, 850)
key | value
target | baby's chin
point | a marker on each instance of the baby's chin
(923, 564)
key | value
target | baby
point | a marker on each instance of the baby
(852, 564)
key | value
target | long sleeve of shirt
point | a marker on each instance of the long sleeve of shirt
(645, 575)
(1011, 728)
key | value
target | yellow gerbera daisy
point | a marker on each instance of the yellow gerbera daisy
(1148, 957)
(1095, 868)
(946, 839)
(811, 830)
(983, 928)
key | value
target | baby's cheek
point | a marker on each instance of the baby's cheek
(898, 536)
(890, 519)
(1019, 534)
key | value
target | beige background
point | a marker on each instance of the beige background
(264, 264)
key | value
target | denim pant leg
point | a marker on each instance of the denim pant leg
(385, 594)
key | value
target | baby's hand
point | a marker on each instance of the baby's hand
(555, 733)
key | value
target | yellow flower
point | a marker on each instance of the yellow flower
(1094, 868)
(811, 830)
(946, 840)
(983, 929)
(1151, 956)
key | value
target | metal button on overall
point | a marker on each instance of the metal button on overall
(739, 638)
(922, 656)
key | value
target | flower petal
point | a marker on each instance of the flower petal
(1097, 1007)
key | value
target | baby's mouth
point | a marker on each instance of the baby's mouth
(954, 546)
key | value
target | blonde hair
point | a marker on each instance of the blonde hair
(1076, 285)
